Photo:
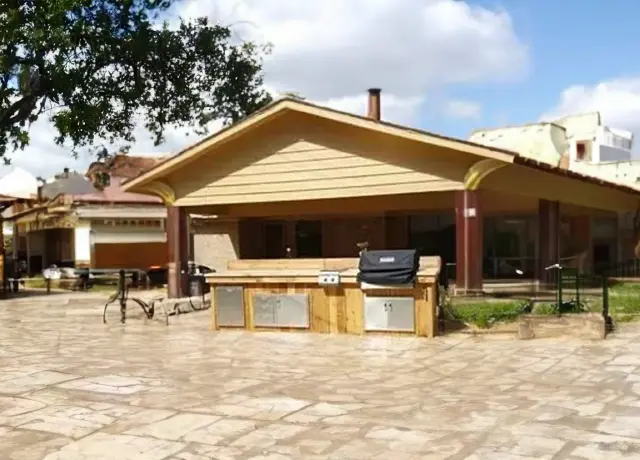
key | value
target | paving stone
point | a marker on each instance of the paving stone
(175, 427)
(268, 435)
(101, 446)
(145, 391)
(221, 430)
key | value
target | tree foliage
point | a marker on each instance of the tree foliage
(99, 67)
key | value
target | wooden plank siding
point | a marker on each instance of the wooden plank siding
(336, 309)
(301, 158)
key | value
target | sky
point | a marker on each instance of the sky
(446, 66)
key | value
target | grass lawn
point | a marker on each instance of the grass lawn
(624, 301)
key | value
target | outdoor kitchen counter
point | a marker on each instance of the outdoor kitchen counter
(285, 295)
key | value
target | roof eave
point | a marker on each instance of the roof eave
(531, 163)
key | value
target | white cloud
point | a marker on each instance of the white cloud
(393, 108)
(331, 51)
(618, 101)
(42, 157)
(462, 109)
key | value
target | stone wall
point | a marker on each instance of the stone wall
(580, 325)
(214, 243)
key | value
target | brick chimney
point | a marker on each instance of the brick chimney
(374, 104)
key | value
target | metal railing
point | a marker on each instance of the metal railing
(626, 269)
(568, 290)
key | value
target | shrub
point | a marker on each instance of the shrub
(544, 309)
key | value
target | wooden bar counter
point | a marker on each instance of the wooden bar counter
(285, 295)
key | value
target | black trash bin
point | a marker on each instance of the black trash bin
(196, 285)
(83, 283)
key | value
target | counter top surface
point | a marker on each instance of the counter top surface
(301, 275)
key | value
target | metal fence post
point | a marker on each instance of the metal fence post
(559, 293)
(578, 289)
(122, 292)
(605, 301)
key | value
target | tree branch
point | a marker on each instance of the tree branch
(22, 106)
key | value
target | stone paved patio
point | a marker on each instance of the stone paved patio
(73, 388)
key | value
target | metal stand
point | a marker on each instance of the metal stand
(122, 297)
(557, 267)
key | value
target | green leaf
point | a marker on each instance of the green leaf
(96, 67)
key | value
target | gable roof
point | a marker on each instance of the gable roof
(281, 106)
(290, 104)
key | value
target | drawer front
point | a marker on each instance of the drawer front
(293, 310)
(230, 305)
(264, 310)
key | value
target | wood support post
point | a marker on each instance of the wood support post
(468, 241)
(548, 239)
(178, 246)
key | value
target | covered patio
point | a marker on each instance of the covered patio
(302, 181)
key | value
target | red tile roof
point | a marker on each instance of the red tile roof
(113, 194)
(125, 166)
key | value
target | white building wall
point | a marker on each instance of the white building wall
(82, 242)
(612, 145)
(108, 234)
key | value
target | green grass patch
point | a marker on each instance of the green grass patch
(485, 314)
(624, 301)
(34, 283)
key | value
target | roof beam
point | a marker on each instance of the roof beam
(478, 171)
(160, 189)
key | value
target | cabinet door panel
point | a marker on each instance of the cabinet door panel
(375, 313)
(401, 314)
(264, 310)
(293, 310)
(389, 313)
(229, 305)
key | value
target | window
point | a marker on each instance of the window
(434, 234)
(309, 238)
(581, 151)
(621, 142)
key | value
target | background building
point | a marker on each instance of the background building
(79, 220)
